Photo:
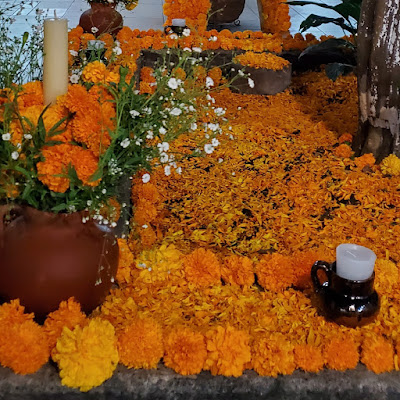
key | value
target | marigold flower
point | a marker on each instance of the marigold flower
(274, 16)
(341, 354)
(13, 313)
(346, 138)
(272, 356)
(185, 351)
(140, 345)
(308, 357)
(391, 165)
(343, 151)
(202, 267)
(377, 354)
(364, 161)
(86, 356)
(275, 272)
(145, 212)
(24, 347)
(261, 60)
(228, 351)
(237, 270)
(148, 236)
(125, 261)
(68, 315)
(386, 275)
(31, 94)
(302, 264)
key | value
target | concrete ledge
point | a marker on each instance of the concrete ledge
(164, 384)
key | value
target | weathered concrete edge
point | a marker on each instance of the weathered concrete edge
(163, 383)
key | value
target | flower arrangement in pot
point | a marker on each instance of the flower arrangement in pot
(102, 17)
(61, 168)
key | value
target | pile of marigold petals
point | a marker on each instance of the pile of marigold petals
(226, 286)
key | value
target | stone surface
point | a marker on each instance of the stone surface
(163, 383)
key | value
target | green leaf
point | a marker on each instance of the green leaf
(334, 70)
(59, 207)
(313, 21)
(97, 175)
(349, 9)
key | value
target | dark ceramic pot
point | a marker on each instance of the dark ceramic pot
(225, 11)
(46, 258)
(344, 301)
(103, 17)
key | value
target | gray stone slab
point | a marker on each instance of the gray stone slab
(164, 384)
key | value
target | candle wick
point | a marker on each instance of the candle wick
(55, 14)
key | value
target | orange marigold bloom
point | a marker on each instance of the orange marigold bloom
(145, 192)
(57, 159)
(275, 272)
(24, 347)
(148, 237)
(69, 314)
(185, 351)
(202, 267)
(377, 354)
(272, 356)
(13, 313)
(262, 60)
(228, 351)
(97, 72)
(31, 94)
(365, 160)
(124, 262)
(275, 16)
(302, 264)
(308, 357)
(145, 213)
(147, 80)
(216, 75)
(85, 38)
(343, 151)
(237, 270)
(346, 137)
(140, 345)
(341, 354)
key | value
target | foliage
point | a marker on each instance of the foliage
(338, 54)
(110, 130)
(20, 57)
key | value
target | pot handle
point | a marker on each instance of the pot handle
(326, 267)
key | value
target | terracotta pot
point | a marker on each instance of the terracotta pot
(46, 258)
(103, 17)
(225, 11)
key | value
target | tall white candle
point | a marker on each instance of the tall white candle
(179, 22)
(354, 262)
(55, 59)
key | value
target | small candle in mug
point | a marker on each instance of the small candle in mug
(179, 22)
(354, 262)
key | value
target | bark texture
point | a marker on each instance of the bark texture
(378, 45)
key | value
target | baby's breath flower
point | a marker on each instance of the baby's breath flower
(208, 148)
(146, 178)
(125, 143)
(134, 113)
(15, 155)
(6, 136)
(176, 111)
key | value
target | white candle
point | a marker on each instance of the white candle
(354, 262)
(55, 59)
(179, 22)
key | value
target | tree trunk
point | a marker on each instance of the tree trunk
(378, 46)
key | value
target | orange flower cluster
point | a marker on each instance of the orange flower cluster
(261, 60)
(147, 80)
(274, 16)
(195, 13)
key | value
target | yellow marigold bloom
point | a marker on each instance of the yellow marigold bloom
(185, 351)
(86, 356)
(391, 165)
(140, 345)
(308, 357)
(24, 347)
(275, 272)
(202, 267)
(237, 270)
(377, 354)
(262, 60)
(228, 351)
(341, 354)
(68, 315)
(272, 356)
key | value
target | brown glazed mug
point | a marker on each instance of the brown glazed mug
(344, 301)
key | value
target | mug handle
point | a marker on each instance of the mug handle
(320, 265)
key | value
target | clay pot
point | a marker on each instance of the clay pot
(104, 17)
(225, 11)
(46, 258)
